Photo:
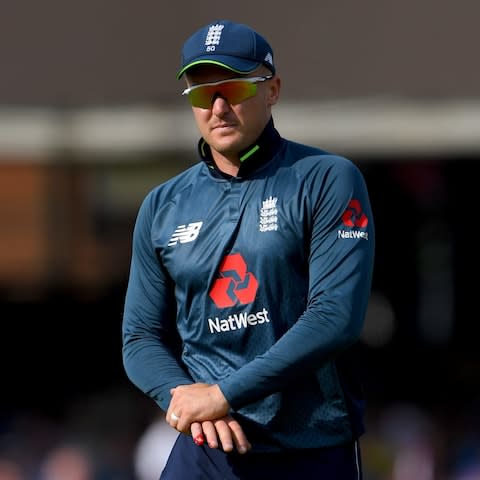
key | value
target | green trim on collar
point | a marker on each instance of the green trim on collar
(249, 153)
(202, 147)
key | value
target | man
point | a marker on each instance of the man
(249, 283)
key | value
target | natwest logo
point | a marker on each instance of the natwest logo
(353, 215)
(234, 284)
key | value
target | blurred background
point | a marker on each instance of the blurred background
(91, 119)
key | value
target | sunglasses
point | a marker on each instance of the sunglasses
(234, 91)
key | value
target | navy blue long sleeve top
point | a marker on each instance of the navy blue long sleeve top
(258, 283)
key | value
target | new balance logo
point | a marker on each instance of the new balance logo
(185, 233)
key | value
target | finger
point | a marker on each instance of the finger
(210, 434)
(168, 418)
(224, 435)
(239, 438)
(183, 427)
(177, 419)
(197, 433)
(199, 439)
(172, 418)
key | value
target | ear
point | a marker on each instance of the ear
(273, 92)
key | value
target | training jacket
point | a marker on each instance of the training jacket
(259, 283)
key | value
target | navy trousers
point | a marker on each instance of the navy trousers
(188, 461)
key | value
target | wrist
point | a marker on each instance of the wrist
(220, 399)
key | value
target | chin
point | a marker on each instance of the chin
(227, 146)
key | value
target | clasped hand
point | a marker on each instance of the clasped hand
(202, 409)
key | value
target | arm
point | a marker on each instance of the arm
(340, 272)
(151, 353)
(150, 341)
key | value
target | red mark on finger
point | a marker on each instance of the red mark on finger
(199, 440)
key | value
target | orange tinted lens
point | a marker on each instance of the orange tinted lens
(232, 92)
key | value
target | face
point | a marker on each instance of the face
(229, 129)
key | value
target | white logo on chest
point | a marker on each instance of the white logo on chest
(268, 215)
(185, 233)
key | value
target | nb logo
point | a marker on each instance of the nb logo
(185, 233)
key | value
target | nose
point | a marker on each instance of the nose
(220, 105)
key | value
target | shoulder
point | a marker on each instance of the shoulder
(170, 189)
(309, 160)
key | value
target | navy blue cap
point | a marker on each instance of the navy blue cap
(230, 45)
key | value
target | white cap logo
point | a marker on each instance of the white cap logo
(213, 37)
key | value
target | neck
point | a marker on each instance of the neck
(229, 164)
(240, 163)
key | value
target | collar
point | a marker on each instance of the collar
(256, 155)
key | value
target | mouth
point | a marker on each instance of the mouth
(224, 129)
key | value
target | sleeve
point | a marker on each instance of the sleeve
(340, 271)
(150, 340)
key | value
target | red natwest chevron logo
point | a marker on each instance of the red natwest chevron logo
(353, 215)
(234, 284)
